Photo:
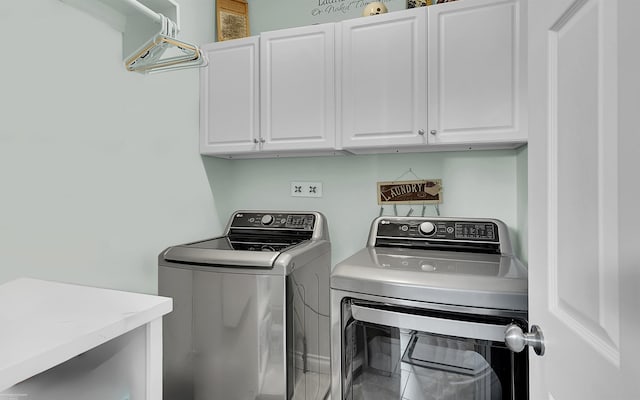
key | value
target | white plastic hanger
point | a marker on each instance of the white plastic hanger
(152, 55)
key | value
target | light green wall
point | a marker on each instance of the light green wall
(99, 167)
(475, 184)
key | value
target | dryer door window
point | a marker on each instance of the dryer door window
(392, 362)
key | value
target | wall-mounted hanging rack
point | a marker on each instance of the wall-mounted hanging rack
(149, 30)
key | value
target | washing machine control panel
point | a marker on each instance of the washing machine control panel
(273, 220)
(451, 230)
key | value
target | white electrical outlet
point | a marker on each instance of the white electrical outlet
(306, 189)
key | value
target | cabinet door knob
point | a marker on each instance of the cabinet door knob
(255, 140)
(433, 132)
(421, 132)
(262, 140)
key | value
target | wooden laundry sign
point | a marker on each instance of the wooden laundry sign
(424, 191)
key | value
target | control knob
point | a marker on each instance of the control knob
(427, 228)
(267, 219)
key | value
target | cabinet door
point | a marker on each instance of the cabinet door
(477, 72)
(383, 80)
(297, 83)
(229, 97)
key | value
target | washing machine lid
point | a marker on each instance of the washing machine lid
(222, 252)
(456, 278)
(252, 239)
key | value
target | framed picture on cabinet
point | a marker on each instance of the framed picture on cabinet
(419, 3)
(422, 3)
(232, 19)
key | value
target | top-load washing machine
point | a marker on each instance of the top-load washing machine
(251, 310)
(422, 312)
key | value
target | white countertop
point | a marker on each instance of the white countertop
(43, 324)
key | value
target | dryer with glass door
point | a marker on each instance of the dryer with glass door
(422, 311)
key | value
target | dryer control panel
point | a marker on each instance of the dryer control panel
(456, 234)
(451, 230)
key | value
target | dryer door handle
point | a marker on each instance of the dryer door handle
(421, 323)
(517, 340)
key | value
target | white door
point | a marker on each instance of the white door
(584, 197)
(477, 71)
(229, 97)
(297, 83)
(383, 66)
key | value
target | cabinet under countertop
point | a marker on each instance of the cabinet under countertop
(45, 324)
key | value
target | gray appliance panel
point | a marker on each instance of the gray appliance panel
(319, 230)
(225, 336)
(465, 279)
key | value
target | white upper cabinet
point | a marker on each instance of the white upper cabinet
(440, 77)
(384, 97)
(477, 78)
(444, 77)
(297, 83)
(229, 98)
(272, 94)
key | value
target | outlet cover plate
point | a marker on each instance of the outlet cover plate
(306, 189)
